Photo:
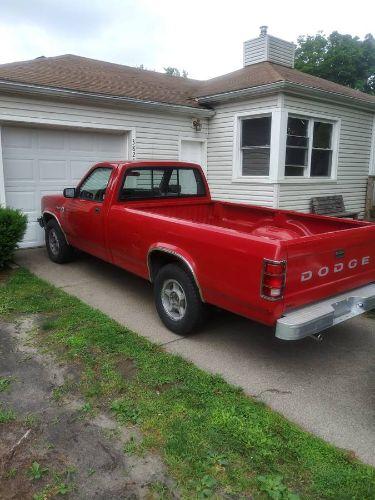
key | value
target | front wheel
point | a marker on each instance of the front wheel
(177, 300)
(58, 249)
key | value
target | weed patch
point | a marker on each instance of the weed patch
(6, 415)
(5, 383)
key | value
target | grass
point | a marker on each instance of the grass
(6, 415)
(215, 440)
(5, 383)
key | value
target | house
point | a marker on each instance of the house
(265, 134)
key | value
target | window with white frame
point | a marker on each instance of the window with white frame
(255, 145)
(309, 147)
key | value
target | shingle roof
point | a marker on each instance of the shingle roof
(265, 73)
(99, 77)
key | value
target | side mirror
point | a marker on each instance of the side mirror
(69, 192)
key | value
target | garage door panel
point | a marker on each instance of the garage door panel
(111, 144)
(17, 137)
(81, 142)
(22, 200)
(53, 170)
(33, 235)
(51, 140)
(77, 169)
(18, 169)
(39, 162)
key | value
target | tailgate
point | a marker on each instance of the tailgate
(328, 264)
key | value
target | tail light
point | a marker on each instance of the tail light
(273, 279)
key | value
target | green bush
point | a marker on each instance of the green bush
(12, 228)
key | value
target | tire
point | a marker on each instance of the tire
(177, 300)
(57, 247)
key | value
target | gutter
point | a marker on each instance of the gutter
(294, 88)
(44, 91)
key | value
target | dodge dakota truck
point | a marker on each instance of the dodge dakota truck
(301, 273)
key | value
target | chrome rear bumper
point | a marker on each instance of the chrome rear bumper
(314, 318)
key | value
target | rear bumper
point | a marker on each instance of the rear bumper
(41, 222)
(314, 318)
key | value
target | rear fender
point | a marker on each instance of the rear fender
(178, 254)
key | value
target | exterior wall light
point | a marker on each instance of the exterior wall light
(197, 124)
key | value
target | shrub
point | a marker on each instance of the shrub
(12, 228)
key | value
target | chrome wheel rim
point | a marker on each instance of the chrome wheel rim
(53, 242)
(173, 299)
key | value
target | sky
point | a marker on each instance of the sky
(204, 37)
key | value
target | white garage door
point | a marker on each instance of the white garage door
(41, 161)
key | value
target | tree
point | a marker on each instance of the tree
(340, 58)
(171, 71)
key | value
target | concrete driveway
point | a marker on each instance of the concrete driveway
(327, 388)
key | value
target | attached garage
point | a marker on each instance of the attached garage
(40, 161)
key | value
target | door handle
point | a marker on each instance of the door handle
(97, 210)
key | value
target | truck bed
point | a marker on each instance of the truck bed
(262, 222)
(325, 256)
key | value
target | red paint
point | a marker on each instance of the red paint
(225, 244)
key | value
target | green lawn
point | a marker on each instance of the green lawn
(215, 440)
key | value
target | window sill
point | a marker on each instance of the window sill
(305, 180)
(267, 180)
(252, 180)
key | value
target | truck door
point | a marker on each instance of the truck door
(84, 216)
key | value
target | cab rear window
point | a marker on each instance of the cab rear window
(158, 182)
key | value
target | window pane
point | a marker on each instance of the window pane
(296, 156)
(297, 126)
(294, 171)
(321, 163)
(294, 140)
(256, 131)
(93, 188)
(188, 182)
(146, 183)
(256, 161)
(322, 135)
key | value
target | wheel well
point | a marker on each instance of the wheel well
(159, 258)
(47, 217)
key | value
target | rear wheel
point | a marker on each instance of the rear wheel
(177, 299)
(58, 249)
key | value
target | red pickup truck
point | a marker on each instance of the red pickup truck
(299, 272)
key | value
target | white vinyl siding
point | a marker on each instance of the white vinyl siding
(268, 48)
(254, 51)
(157, 134)
(220, 154)
(146, 135)
(354, 151)
(280, 51)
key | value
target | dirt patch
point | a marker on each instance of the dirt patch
(127, 368)
(78, 454)
(5, 274)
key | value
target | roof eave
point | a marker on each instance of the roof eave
(294, 88)
(234, 94)
(46, 91)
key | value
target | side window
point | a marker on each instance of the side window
(94, 186)
(256, 145)
(159, 182)
(309, 148)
